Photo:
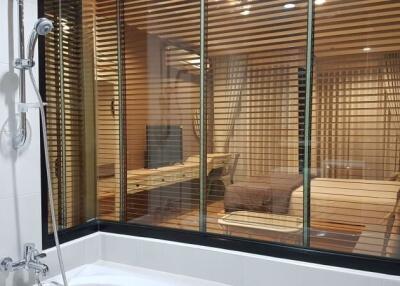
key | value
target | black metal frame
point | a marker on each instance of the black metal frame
(353, 261)
(42, 89)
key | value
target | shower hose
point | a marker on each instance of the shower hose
(49, 184)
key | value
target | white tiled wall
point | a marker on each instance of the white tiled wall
(20, 198)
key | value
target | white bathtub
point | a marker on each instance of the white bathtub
(104, 273)
(118, 260)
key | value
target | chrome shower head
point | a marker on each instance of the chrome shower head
(43, 26)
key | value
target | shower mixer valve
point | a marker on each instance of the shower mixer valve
(30, 262)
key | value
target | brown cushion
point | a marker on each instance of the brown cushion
(265, 194)
(247, 196)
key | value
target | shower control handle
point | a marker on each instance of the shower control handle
(6, 264)
(40, 256)
(29, 251)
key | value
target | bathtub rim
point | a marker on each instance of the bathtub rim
(380, 265)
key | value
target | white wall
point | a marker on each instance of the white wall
(20, 198)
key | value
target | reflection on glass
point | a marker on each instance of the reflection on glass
(144, 77)
(355, 151)
(108, 112)
(67, 63)
(161, 78)
(256, 98)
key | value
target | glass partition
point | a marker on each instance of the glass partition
(109, 110)
(161, 79)
(355, 131)
(67, 85)
(194, 115)
(256, 53)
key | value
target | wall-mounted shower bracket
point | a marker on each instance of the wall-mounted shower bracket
(20, 140)
(24, 64)
(24, 107)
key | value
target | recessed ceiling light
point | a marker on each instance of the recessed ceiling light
(245, 12)
(319, 2)
(289, 6)
(367, 49)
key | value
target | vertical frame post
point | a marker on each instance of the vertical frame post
(307, 124)
(63, 195)
(203, 122)
(121, 112)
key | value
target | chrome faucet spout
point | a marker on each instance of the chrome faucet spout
(37, 267)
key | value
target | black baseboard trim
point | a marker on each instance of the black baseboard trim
(352, 261)
(72, 233)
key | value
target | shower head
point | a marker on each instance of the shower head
(43, 26)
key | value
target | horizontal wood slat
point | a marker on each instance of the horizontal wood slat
(64, 110)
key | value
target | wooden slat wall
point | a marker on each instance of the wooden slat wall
(64, 112)
(355, 107)
(354, 123)
(108, 98)
(162, 88)
(354, 88)
(255, 76)
(255, 87)
(260, 54)
(270, 27)
(53, 99)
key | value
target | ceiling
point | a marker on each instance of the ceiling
(251, 26)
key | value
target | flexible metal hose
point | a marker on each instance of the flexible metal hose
(49, 184)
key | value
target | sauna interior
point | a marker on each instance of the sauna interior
(141, 99)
